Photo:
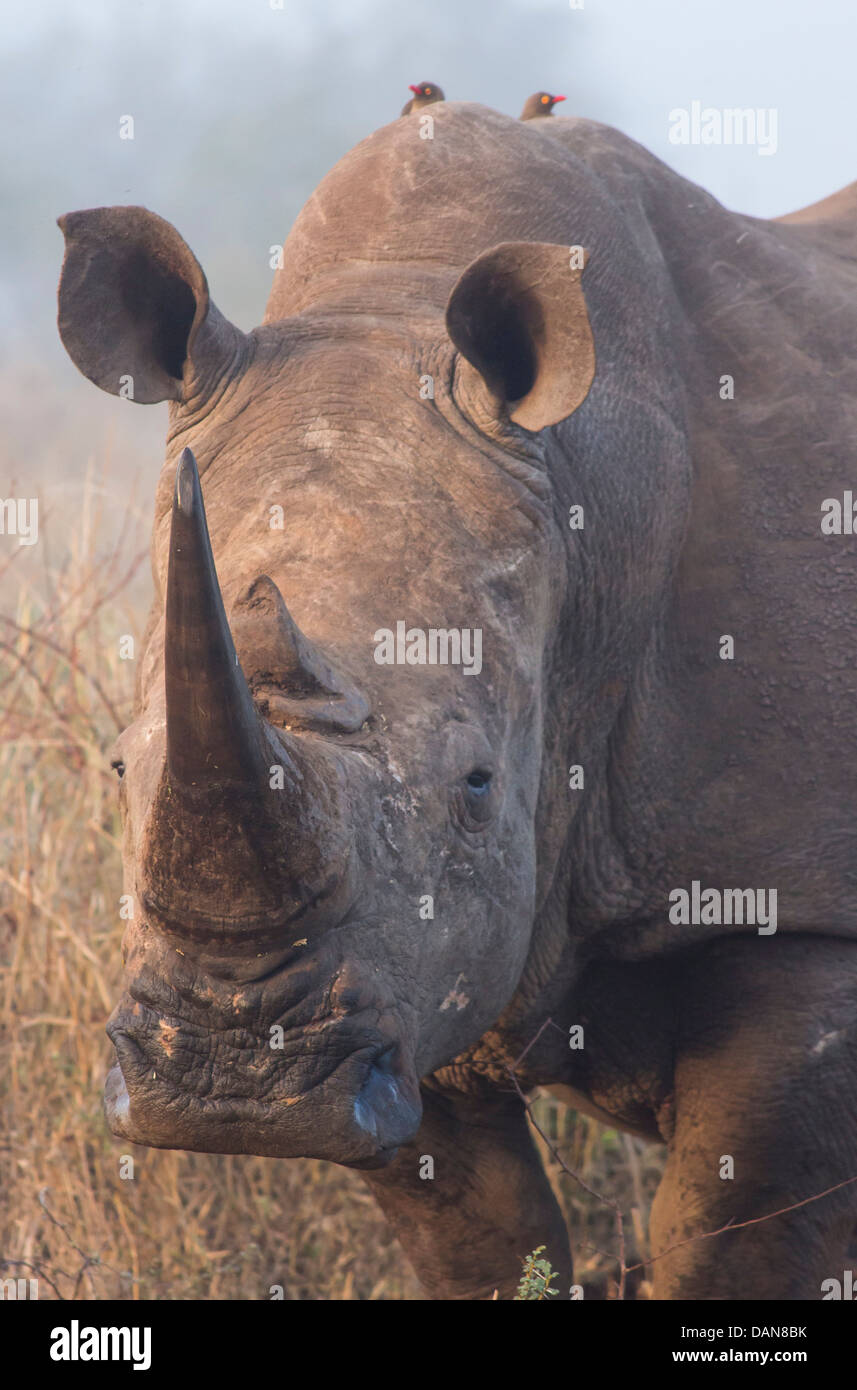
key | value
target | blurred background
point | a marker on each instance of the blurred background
(239, 108)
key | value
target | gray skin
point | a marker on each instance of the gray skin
(601, 647)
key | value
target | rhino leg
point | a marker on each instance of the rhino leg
(765, 1074)
(468, 1228)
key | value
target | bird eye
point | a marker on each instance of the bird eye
(545, 101)
(427, 91)
(118, 766)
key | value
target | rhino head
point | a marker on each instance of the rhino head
(335, 861)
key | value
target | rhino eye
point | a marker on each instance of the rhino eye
(474, 806)
(119, 767)
(479, 783)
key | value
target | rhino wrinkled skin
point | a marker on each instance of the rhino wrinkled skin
(290, 805)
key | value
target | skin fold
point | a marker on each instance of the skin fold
(438, 381)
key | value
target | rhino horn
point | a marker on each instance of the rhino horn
(239, 864)
(292, 681)
(214, 733)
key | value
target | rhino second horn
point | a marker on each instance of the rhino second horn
(292, 680)
(214, 733)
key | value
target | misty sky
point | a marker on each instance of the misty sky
(240, 109)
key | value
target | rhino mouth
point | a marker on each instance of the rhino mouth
(352, 1099)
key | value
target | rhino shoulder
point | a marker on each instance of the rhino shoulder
(831, 222)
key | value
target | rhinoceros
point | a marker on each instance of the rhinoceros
(528, 395)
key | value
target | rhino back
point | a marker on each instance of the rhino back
(399, 217)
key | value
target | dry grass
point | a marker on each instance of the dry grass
(187, 1226)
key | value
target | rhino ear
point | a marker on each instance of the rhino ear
(518, 315)
(133, 303)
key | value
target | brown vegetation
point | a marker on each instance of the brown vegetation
(186, 1226)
